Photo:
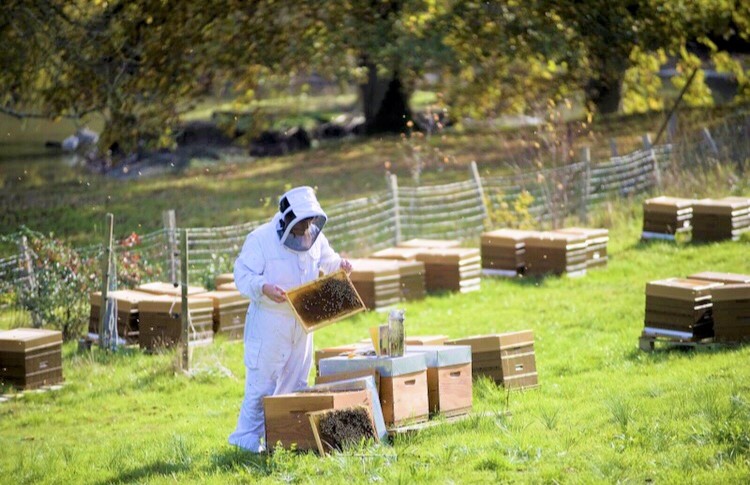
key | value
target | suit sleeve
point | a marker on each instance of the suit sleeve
(330, 261)
(249, 269)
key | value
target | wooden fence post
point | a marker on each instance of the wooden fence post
(710, 140)
(393, 182)
(480, 189)
(27, 263)
(586, 192)
(106, 267)
(613, 147)
(184, 354)
(170, 228)
(648, 146)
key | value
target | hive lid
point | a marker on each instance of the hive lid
(449, 256)
(556, 240)
(425, 339)
(442, 355)
(734, 292)
(127, 300)
(324, 301)
(497, 341)
(506, 237)
(23, 339)
(161, 288)
(721, 206)
(407, 268)
(171, 304)
(227, 287)
(680, 288)
(593, 235)
(405, 254)
(367, 269)
(666, 202)
(224, 297)
(430, 243)
(386, 366)
(726, 278)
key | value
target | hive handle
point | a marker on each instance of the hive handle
(410, 382)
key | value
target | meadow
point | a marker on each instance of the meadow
(605, 411)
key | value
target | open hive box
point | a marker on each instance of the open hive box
(731, 312)
(504, 252)
(452, 269)
(377, 281)
(507, 358)
(596, 244)
(666, 216)
(557, 253)
(430, 243)
(161, 321)
(324, 301)
(30, 357)
(721, 219)
(230, 308)
(161, 288)
(127, 312)
(679, 308)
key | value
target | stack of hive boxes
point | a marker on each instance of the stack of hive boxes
(411, 279)
(554, 252)
(449, 378)
(721, 219)
(508, 358)
(223, 279)
(666, 216)
(452, 269)
(596, 244)
(30, 357)
(679, 308)
(377, 281)
(503, 252)
(229, 312)
(731, 312)
(161, 321)
(127, 313)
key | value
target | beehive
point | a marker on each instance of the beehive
(717, 277)
(401, 254)
(403, 383)
(161, 321)
(127, 312)
(324, 301)
(508, 358)
(720, 219)
(557, 253)
(377, 281)
(411, 279)
(30, 357)
(430, 243)
(339, 350)
(731, 312)
(449, 378)
(504, 252)
(230, 309)
(666, 216)
(596, 244)
(286, 417)
(223, 279)
(452, 269)
(161, 288)
(679, 307)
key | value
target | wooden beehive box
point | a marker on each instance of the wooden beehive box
(30, 357)
(504, 251)
(127, 312)
(449, 378)
(223, 279)
(326, 352)
(161, 288)
(508, 358)
(425, 339)
(731, 312)
(596, 244)
(230, 309)
(324, 301)
(401, 254)
(377, 281)
(557, 253)
(403, 384)
(286, 415)
(161, 321)
(452, 269)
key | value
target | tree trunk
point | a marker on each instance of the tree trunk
(385, 103)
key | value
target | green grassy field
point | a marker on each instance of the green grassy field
(605, 411)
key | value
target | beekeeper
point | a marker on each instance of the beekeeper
(284, 253)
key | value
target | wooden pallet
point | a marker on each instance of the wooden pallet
(415, 428)
(650, 343)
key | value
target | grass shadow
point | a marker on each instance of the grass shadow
(234, 458)
(663, 352)
(159, 468)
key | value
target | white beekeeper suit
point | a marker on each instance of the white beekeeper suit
(278, 352)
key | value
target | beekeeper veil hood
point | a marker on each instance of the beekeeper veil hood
(297, 206)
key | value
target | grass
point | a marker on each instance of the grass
(605, 411)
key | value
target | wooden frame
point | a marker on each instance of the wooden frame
(314, 416)
(339, 275)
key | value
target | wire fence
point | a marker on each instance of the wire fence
(460, 210)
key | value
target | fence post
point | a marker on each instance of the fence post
(586, 192)
(709, 139)
(28, 268)
(184, 354)
(393, 182)
(170, 227)
(480, 189)
(648, 146)
(106, 266)
(613, 147)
